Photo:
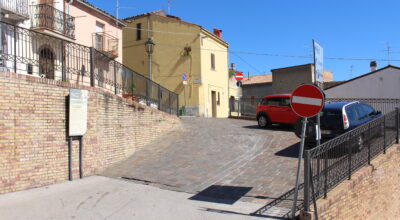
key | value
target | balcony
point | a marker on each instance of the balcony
(16, 9)
(45, 16)
(106, 43)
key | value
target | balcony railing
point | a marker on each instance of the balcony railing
(106, 43)
(46, 16)
(18, 7)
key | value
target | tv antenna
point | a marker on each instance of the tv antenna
(388, 50)
(169, 6)
(117, 7)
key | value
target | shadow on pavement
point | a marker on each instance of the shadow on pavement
(221, 194)
(291, 151)
(274, 127)
(238, 213)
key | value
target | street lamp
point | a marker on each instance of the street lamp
(149, 49)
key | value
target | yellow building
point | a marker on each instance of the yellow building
(181, 48)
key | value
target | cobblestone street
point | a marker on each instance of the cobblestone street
(203, 153)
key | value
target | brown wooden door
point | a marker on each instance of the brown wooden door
(46, 63)
(46, 13)
(214, 103)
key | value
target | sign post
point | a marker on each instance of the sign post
(319, 79)
(239, 77)
(77, 125)
(184, 83)
(306, 101)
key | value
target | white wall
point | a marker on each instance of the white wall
(382, 84)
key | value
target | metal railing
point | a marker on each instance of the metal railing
(33, 53)
(105, 42)
(19, 7)
(383, 105)
(336, 160)
(46, 16)
(243, 106)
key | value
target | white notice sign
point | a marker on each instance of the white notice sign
(78, 100)
(318, 62)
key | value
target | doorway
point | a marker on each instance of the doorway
(214, 103)
(46, 13)
(46, 63)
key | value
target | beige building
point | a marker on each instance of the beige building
(181, 48)
(285, 80)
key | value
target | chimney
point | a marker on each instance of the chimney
(218, 32)
(248, 75)
(373, 65)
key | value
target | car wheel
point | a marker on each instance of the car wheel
(263, 121)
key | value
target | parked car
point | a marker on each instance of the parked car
(338, 118)
(275, 109)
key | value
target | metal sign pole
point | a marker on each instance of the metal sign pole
(303, 136)
(319, 80)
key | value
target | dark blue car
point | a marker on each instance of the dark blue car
(337, 118)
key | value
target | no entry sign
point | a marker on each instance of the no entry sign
(307, 100)
(239, 76)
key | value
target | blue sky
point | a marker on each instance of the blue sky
(346, 29)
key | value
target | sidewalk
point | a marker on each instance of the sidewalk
(100, 197)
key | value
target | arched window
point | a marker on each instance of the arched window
(46, 63)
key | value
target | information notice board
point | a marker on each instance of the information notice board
(78, 100)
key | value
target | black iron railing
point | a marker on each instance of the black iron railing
(243, 106)
(336, 160)
(29, 52)
(19, 7)
(106, 42)
(46, 16)
(383, 105)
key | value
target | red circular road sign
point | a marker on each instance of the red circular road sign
(307, 100)
(239, 76)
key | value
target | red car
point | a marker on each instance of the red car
(275, 109)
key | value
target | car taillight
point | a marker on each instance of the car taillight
(345, 121)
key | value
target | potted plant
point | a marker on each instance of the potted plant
(131, 88)
(188, 51)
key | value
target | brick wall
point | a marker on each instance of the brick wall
(372, 193)
(33, 138)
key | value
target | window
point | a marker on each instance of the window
(277, 101)
(351, 114)
(331, 119)
(285, 102)
(274, 101)
(361, 112)
(139, 31)
(368, 109)
(263, 101)
(99, 39)
(212, 61)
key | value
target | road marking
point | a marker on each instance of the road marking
(306, 100)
